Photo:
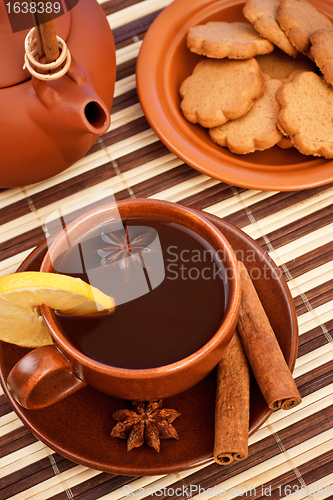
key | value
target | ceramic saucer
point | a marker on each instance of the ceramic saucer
(165, 61)
(79, 426)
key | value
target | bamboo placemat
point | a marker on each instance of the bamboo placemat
(292, 452)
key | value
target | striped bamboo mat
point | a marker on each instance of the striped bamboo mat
(292, 452)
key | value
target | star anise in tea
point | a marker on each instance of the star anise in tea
(145, 424)
(124, 250)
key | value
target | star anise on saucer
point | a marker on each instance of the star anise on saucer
(124, 250)
(145, 424)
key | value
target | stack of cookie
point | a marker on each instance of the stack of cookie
(265, 83)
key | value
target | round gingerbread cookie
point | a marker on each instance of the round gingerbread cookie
(299, 19)
(220, 89)
(262, 14)
(321, 51)
(305, 115)
(233, 40)
(255, 131)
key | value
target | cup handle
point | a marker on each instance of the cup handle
(42, 377)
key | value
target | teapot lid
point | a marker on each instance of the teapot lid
(12, 44)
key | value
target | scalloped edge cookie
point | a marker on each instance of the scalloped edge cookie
(262, 14)
(255, 131)
(305, 115)
(220, 90)
(299, 19)
(321, 51)
(222, 39)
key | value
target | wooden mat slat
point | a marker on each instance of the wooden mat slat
(124, 85)
(286, 484)
(182, 178)
(10, 196)
(56, 484)
(308, 280)
(315, 338)
(316, 379)
(205, 199)
(317, 296)
(314, 258)
(240, 200)
(11, 230)
(314, 297)
(27, 479)
(313, 359)
(314, 317)
(100, 487)
(123, 71)
(11, 264)
(264, 472)
(11, 425)
(46, 201)
(4, 404)
(125, 131)
(15, 455)
(14, 210)
(231, 479)
(306, 428)
(124, 100)
(305, 244)
(125, 116)
(125, 53)
(310, 211)
(15, 441)
(117, 487)
(23, 463)
(137, 165)
(116, 4)
(284, 200)
(135, 28)
(21, 243)
(320, 469)
(299, 228)
(135, 11)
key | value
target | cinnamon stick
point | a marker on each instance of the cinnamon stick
(262, 349)
(50, 42)
(232, 406)
(40, 48)
(47, 43)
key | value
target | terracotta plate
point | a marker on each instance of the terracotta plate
(79, 426)
(164, 62)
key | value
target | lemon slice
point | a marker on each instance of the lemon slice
(21, 294)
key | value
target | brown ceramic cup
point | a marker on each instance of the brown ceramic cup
(47, 374)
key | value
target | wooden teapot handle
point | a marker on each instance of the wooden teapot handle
(42, 377)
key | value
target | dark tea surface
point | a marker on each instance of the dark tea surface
(176, 294)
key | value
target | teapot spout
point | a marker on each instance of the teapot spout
(71, 105)
(96, 117)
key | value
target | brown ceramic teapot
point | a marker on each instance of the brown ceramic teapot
(46, 126)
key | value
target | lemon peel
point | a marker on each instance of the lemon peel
(21, 294)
